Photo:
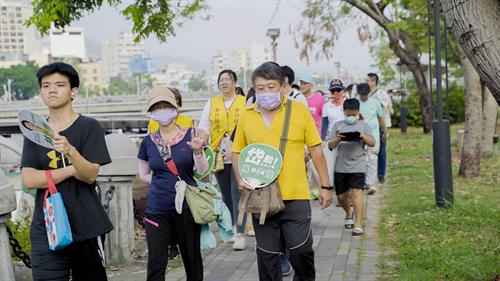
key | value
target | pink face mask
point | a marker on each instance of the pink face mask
(164, 116)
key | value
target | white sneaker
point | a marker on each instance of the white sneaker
(372, 190)
(239, 242)
(234, 235)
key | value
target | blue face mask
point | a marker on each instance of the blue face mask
(351, 119)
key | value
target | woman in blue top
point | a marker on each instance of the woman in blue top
(167, 157)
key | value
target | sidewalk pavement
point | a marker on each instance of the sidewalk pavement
(338, 255)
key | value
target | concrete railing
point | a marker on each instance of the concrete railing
(116, 179)
(7, 206)
(8, 110)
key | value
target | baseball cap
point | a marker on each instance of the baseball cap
(161, 94)
(307, 79)
(336, 84)
(363, 89)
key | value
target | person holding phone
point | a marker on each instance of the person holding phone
(350, 137)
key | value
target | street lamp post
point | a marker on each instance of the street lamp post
(7, 90)
(337, 65)
(274, 33)
(443, 179)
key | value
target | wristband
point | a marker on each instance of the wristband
(327, 187)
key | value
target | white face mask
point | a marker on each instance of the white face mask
(164, 116)
(351, 119)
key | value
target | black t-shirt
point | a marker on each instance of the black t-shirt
(86, 215)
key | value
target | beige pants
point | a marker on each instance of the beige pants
(372, 163)
(330, 156)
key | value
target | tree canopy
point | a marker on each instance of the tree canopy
(24, 83)
(149, 17)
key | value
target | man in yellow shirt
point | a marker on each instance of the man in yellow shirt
(263, 123)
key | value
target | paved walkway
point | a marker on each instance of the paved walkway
(338, 255)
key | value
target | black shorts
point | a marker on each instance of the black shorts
(344, 181)
(84, 258)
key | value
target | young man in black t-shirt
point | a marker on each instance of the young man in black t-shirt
(80, 140)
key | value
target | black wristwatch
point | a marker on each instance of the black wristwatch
(327, 187)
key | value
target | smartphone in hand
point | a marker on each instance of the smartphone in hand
(351, 136)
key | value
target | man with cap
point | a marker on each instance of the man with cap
(373, 114)
(167, 159)
(333, 110)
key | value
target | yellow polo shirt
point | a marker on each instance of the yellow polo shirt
(182, 120)
(252, 129)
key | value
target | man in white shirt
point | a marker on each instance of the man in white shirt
(385, 100)
(333, 110)
(287, 86)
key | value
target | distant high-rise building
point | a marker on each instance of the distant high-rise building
(174, 75)
(250, 57)
(218, 62)
(117, 55)
(90, 74)
(257, 54)
(68, 43)
(241, 59)
(15, 37)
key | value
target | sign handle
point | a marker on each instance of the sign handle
(63, 161)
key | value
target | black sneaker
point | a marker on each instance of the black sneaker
(381, 180)
(173, 252)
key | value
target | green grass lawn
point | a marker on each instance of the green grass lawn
(422, 242)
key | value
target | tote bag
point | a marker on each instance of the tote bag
(56, 218)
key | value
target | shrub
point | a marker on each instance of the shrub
(412, 105)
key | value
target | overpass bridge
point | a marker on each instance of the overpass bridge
(113, 112)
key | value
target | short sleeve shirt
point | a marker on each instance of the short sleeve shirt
(386, 102)
(351, 157)
(372, 111)
(161, 195)
(316, 102)
(334, 113)
(86, 216)
(252, 129)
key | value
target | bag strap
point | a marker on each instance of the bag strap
(286, 127)
(51, 187)
(50, 182)
(165, 153)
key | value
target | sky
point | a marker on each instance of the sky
(234, 24)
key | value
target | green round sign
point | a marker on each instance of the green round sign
(209, 153)
(259, 164)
